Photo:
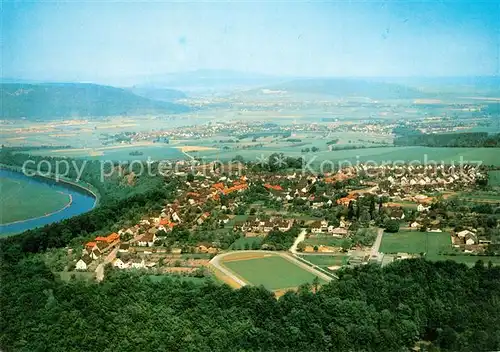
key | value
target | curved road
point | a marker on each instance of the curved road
(216, 263)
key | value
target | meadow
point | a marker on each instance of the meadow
(21, 200)
(322, 239)
(416, 242)
(494, 178)
(270, 270)
(324, 261)
(119, 152)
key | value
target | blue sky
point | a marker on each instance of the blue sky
(91, 41)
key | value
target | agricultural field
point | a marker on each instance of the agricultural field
(21, 200)
(480, 196)
(494, 178)
(415, 242)
(119, 152)
(376, 155)
(270, 270)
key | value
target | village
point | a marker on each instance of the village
(228, 207)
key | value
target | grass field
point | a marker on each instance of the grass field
(325, 261)
(118, 152)
(325, 240)
(21, 200)
(270, 270)
(416, 242)
(494, 178)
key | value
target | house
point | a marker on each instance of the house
(464, 233)
(84, 262)
(396, 214)
(138, 264)
(223, 219)
(415, 225)
(421, 208)
(148, 240)
(470, 239)
(337, 231)
(202, 218)
(118, 263)
(316, 227)
(124, 247)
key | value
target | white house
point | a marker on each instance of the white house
(138, 264)
(148, 240)
(421, 208)
(470, 238)
(464, 233)
(414, 225)
(83, 263)
(118, 263)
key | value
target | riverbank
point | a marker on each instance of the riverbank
(81, 199)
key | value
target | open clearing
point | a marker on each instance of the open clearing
(416, 242)
(21, 200)
(268, 269)
(494, 178)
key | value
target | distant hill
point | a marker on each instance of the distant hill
(162, 94)
(345, 87)
(53, 100)
(208, 80)
(479, 86)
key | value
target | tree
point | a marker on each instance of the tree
(190, 177)
(346, 244)
(392, 226)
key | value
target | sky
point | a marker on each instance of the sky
(102, 41)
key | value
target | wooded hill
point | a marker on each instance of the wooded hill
(67, 100)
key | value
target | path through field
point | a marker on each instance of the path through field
(378, 242)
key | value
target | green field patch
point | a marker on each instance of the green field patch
(416, 242)
(323, 239)
(494, 178)
(273, 272)
(21, 200)
(326, 260)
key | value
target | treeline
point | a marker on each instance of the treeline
(280, 241)
(441, 306)
(466, 140)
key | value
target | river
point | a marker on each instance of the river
(81, 202)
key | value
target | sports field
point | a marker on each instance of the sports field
(270, 270)
(416, 242)
(21, 200)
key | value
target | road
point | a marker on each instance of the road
(301, 237)
(216, 263)
(376, 246)
(99, 271)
